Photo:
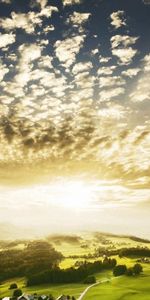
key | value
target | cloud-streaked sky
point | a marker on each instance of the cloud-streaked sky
(74, 111)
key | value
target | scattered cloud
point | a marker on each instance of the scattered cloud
(71, 2)
(111, 81)
(81, 67)
(28, 21)
(79, 18)
(106, 70)
(118, 19)
(7, 39)
(131, 72)
(67, 49)
(142, 90)
(107, 95)
(123, 41)
(125, 55)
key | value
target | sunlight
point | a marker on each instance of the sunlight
(72, 194)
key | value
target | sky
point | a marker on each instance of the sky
(74, 115)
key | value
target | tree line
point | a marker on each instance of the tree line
(36, 257)
(71, 275)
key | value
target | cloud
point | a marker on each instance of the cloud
(81, 67)
(111, 81)
(131, 72)
(6, 1)
(79, 18)
(121, 48)
(142, 90)
(113, 111)
(122, 40)
(106, 70)
(41, 3)
(118, 19)
(3, 71)
(28, 21)
(125, 55)
(7, 39)
(71, 2)
(67, 49)
(104, 59)
(107, 95)
(146, 2)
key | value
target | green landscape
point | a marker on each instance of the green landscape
(74, 252)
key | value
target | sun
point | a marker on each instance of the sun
(73, 194)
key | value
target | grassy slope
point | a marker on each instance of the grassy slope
(123, 288)
(56, 290)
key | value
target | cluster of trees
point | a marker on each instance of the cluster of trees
(123, 270)
(71, 275)
(36, 257)
(135, 251)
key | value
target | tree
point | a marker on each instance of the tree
(137, 269)
(129, 272)
(119, 270)
(13, 286)
(17, 293)
(90, 280)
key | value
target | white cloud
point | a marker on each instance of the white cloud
(111, 81)
(95, 51)
(81, 67)
(113, 111)
(48, 28)
(122, 40)
(7, 39)
(3, 71)
(28, 21)
(118, 19)
(146, 61)
(104, 59)
(67, 49)
(106, 70)
(125, 55)
(79, 18)
(83, 80)
(107, 95)
(29, 52)
(45, 62)
(141, 91)
(131, 72)
(71, 2)
(41, 3)
(6, 1)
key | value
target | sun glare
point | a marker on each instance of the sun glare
(72, 194)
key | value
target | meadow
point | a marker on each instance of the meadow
(109, 288)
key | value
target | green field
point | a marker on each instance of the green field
(55, 290)
(120, 288)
